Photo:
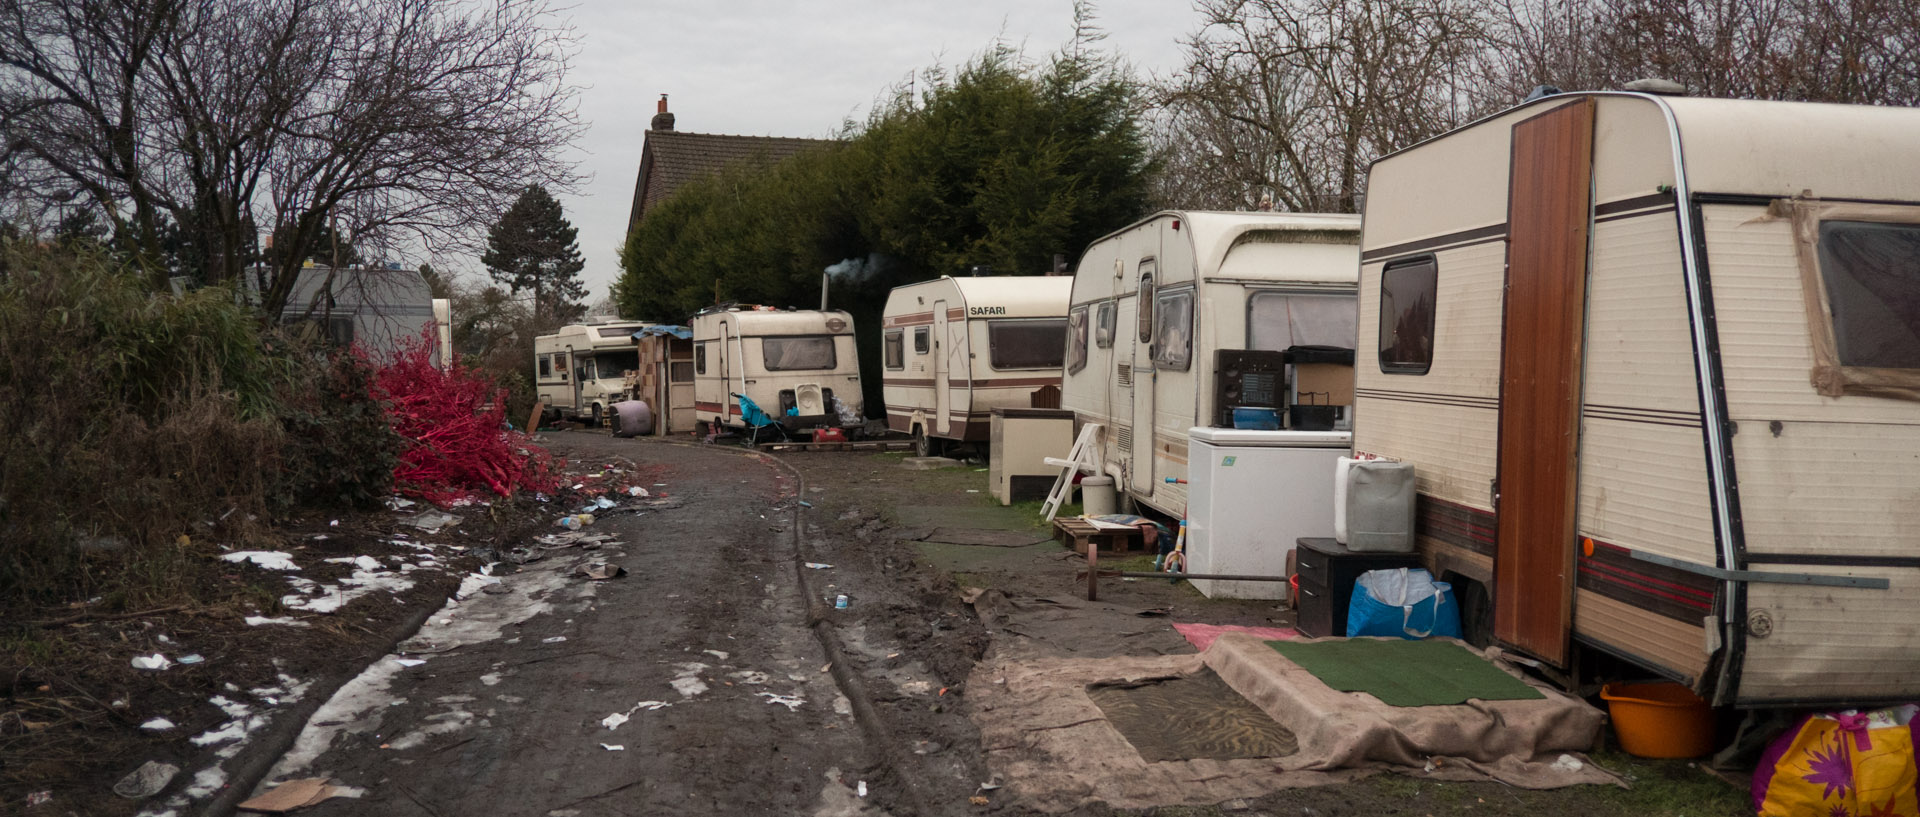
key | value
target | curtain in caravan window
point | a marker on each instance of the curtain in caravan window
(792, 354)
(1026, 344)
(1278, 320)
(1872, 274)
(895, 346)
(1173, 329)
(1076, 339)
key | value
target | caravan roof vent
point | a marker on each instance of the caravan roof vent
(1540, 92)
(1654, 85)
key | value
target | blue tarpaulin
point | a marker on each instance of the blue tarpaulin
(680, 332)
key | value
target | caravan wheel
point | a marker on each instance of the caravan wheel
(923, 445)
(593, 418)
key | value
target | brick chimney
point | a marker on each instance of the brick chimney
(663, 120)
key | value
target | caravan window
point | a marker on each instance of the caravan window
(1104, 318)
(920, 340)
(1145, 301)
(1872, 275)
(1407, 293)
(700, 357)
(1026, 344)
(1173, 330)
(1278, 320)
(615, 365)
(1076, 339)
(797, 354)
(896, 348)
(546, 365)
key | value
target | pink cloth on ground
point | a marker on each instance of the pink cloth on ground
(1201, 636)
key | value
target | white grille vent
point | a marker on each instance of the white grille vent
(1123, 437)
(1124, 374)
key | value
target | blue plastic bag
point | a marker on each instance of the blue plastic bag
(1404, 603)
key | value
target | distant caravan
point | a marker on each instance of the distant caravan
(798, 366)
(1656, 362)
(955, 349)
(1160, 305)
(580, 371)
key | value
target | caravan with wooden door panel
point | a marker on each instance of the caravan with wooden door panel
(955, 349)
(1656, 362)
(1159, 305)
(580, 370)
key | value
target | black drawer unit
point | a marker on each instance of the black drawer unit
(1327, 570)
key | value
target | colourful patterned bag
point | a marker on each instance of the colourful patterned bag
(1842, 764)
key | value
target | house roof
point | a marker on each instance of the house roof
(672, 158)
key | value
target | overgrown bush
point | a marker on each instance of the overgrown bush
(129, 418)
(126, 417)
(339, 449)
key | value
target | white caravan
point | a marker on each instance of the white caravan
(580, 371)
(955, 349)
(1656, 364)
(793, 364)
(1215, 284)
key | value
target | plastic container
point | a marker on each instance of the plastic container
(1662, 719)
(1097, 496)
(1340, 470)
(1380, 507)
(631, 418)
(1256, 418)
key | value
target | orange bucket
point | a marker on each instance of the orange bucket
(1660, 719)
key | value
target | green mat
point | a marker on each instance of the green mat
(1406, 673)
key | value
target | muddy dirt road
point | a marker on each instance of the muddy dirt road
(702, 647)
(737, 685)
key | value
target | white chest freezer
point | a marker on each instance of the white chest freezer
(1250, 495)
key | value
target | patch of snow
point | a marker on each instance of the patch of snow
(443, 723)
(326, 598)
(266, 559)
(720, 654)
(290, 621)
(688, 682)
(158, 725)
(490, 679)
(791, 702)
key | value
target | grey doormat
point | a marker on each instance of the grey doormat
(1190, 717)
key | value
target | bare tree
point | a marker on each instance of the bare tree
(381, 121)
(1853, 51)
(1293, 98)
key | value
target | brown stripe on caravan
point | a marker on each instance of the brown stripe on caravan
(1646, 202)
(907, 320)
(731, 408)
(1626, 414)
(1450, 241)
(1432, 398)
(1004, 382)
(1455, 524)
(1610, 570)
(909, 383)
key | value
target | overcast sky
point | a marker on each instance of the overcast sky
(771, 68)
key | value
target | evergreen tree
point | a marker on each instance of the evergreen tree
(534, 248)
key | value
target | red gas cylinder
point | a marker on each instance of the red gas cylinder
(829, 435)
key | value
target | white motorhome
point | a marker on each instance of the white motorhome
(580, 371)
(955, 349)
(793, 364)
(1160, 304)
(1655, 361)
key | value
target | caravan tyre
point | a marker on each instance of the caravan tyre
(593, 417)
(923, 445)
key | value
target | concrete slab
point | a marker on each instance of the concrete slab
(929, 463)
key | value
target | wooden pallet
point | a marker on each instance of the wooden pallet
(850, 445)
(1078, 534)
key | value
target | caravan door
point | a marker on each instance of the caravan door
(1141, 476)
(1543, 340)
(942, 390)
